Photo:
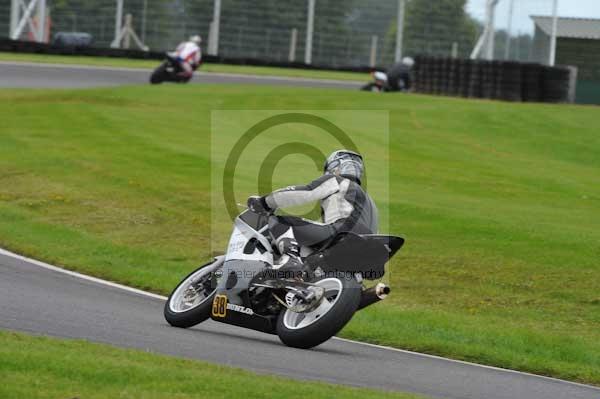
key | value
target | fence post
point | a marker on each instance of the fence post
(41, 21)
(373, 57)
(116, 43)
(454, 49)
(293, 39)
(144, 12)
(399, 30)
(489, 49)
(127, 28)
(552, 59)
(213, 40)
(572, 84)
(509, 29)
(15, 12)
(309, 32)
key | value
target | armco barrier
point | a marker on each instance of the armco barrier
(502, 80)
(17, 46)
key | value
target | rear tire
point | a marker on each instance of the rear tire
(176, 315)
(326, 325)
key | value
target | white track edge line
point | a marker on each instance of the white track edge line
(198, 73)
(426, 355)
(383, 347)
(80, 275)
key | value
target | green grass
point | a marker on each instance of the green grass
(39, 367)
(207, 67)
(499, 203)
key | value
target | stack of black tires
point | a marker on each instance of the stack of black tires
(502, 80)
(556, 84)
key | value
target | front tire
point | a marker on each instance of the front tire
(160, 74)
(191, 301)
(307, 330)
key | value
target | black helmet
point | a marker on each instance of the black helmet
(344, 162)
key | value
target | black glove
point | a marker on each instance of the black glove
(258, 205)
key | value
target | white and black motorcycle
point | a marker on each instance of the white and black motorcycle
(245, 287)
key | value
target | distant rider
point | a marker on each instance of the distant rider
(399, 76)
(345, 207)
(189, 56)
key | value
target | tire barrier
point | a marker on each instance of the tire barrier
(556, 87)
(499, 80)
(531, 82)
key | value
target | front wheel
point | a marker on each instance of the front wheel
(191, 301)
(309, 329)
(160, 74)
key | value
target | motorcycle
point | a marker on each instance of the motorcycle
(386, 82)
(245, 288)
(169, 71)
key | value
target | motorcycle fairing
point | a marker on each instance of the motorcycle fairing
(247, 257)
(247, 243)
(234, 284)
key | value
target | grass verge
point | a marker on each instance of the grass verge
(40, 367)
(207, 67)
(500, 205)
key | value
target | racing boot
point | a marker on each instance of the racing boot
(290, 261)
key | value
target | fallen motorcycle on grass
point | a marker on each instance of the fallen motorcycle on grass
(245, 288)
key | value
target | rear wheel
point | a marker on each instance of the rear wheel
(309, 329)
(191, 301)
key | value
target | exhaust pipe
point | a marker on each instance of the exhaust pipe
(373, 294)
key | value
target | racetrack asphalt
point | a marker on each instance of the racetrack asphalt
(34, 75)
(36, 299)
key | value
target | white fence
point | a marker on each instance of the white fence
(322, 32)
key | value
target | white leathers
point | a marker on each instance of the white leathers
(330, 190)
(189, 55)
(336, 207)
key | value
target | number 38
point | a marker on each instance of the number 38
(219, 307)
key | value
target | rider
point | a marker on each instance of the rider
(189, 56)
(399, 76)
(345, 207)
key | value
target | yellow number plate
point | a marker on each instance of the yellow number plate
(219, 308)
